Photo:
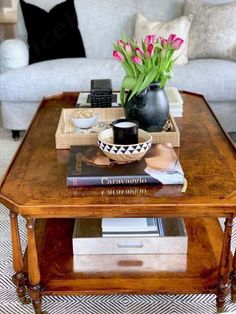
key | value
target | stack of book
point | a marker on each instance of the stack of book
(88, 166)
(175, 101)
(130, 227)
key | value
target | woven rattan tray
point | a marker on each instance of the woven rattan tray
(67, 135)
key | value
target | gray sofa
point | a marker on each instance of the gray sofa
(101, 22)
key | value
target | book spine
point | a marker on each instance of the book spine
(108, 181)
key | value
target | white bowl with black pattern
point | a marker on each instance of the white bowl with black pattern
(124, 153)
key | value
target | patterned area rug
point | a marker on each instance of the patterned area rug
(7, 149)
(115, 304)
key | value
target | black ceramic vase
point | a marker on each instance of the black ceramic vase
(150, 108)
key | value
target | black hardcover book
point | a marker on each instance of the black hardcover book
(88, 166)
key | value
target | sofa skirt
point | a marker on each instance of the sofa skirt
(18, 115)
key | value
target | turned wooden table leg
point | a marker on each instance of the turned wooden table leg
(19, 278)
(233, 277)
(34, 286)
(223, 273)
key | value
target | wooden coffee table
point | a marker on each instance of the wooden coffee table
(35, 188)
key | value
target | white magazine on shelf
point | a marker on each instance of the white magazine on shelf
(129, 225)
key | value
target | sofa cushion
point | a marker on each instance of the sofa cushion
(53, 34)
(179, 26)
(116, 17)
(207, 77)
(56, 76)
(101, 23)
(161, 10)
(213, 29)
(201, 76)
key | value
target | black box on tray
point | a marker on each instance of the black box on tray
(101, 93)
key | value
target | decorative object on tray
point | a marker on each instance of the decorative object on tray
(174, 98)
(84, 119)
(122, 152)
(128, 236)
(67, 134)
(125, 132)
(84, 100)
(97, 128)
(101, 93)
(150, 107)
(148, 67)
(89, 166)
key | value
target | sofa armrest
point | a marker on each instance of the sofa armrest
(14, 53)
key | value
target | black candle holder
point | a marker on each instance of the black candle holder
(125, 132)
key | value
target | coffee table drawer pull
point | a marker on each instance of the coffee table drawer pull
(130, 244)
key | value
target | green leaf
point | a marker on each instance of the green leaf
(144, 47)
(116, 47)
(148, 79)
(129, 62)
(128, 71)
(122, 95)
(149, 64)
(159, 46)
(132, 66)
(129, 82)
(124, 37)
(133, 43)
(141, 68)
(137, 85)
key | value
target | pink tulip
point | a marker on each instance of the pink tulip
(175, 42)
(164, 42)
(171, 38)
(118, 56)
(150, 39)
(120, 42)
(150, 50)
(136, 60)
(128, 48)
(139, 52)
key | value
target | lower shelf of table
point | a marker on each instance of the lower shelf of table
(194, 272)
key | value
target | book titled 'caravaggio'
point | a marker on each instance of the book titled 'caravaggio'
(88, 166)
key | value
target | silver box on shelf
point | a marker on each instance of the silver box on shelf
(87, 239)
(136, 263)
